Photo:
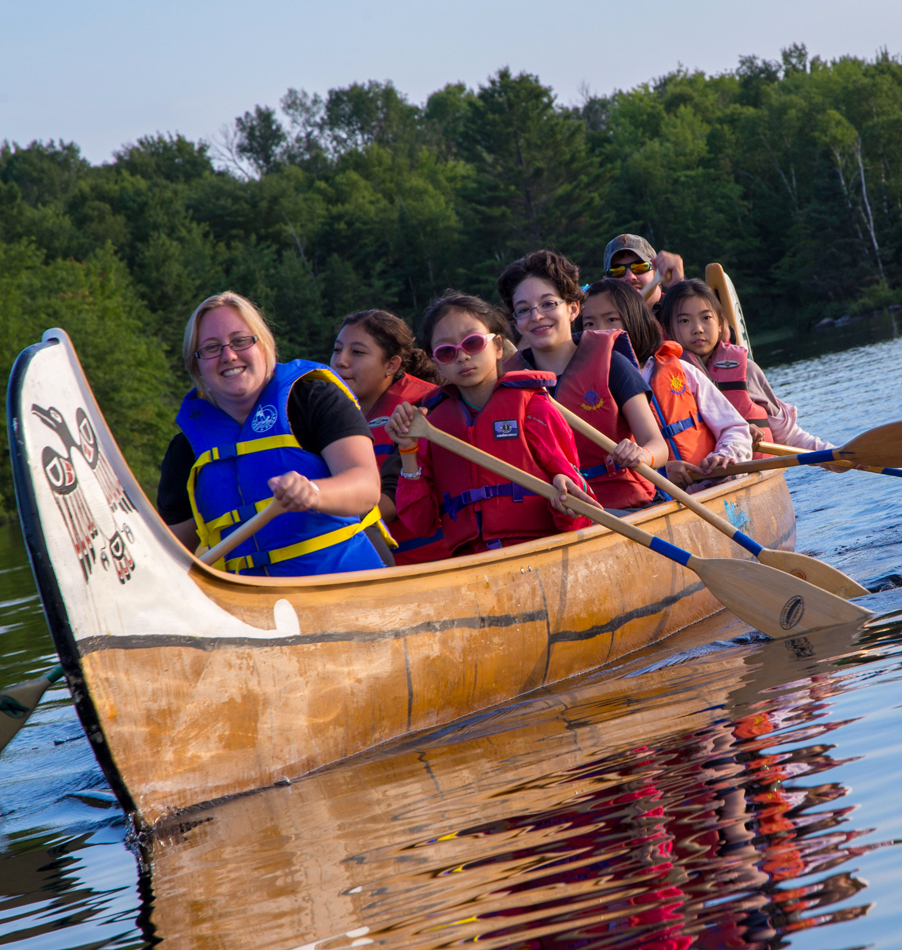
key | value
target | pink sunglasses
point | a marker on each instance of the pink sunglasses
(471, 345)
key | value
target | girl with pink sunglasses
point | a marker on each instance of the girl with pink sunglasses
(508, 415)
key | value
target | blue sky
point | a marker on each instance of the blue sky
(102, 73)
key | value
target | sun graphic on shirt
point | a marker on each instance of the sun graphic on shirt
(592, 400)
(677, 385)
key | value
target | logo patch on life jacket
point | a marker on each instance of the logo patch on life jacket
(378, 423)
(592, 400)
(677, 385)
(506, 429)
(726, 364)
(264, 418)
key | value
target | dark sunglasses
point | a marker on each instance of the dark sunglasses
(472, 344)
(637, 267)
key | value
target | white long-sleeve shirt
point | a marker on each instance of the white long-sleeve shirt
(781, 417)
(730, 430)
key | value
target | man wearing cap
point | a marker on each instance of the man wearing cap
(631, 258)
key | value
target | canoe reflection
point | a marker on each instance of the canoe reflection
(674, 808)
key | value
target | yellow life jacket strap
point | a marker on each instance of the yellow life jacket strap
(262, 558)
(209, 531)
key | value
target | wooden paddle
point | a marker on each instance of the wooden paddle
(774, 448)
(18, 702)
(649, 288)
(808, 568)
(240, 534)
(778, 604)
(880, 447)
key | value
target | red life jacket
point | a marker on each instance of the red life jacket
(410, 549)
(583, 388)
(728, 367)
(406, 389)
(476, 502)
(675, 408)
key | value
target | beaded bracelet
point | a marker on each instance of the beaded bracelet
(415, 474)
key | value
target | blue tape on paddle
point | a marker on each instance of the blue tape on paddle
(671, 551)
(815, 458)
(892, 471)
(748, 543)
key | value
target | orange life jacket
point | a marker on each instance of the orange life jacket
(675, 408)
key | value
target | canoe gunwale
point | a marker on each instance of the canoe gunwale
(520, 551)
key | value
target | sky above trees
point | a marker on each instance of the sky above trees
(104, 74)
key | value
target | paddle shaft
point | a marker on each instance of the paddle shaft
(580, 425)
(242, 533)
(768, 599)
(774, 448)
(817, 572)
(421, 429)
(649, 288)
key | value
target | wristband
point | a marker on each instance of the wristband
(411, 451)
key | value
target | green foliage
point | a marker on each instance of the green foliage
(787, 172)
(96, 305)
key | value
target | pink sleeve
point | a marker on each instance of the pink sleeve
(551, 442)
(416, 500)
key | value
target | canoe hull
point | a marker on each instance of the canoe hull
(195, 686)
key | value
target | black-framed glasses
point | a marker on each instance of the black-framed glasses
(546, 306)
(637, 267)
(213, 350)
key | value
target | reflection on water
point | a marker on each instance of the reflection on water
(703, 806)
(743, 798)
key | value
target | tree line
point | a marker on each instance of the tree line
(789, 173)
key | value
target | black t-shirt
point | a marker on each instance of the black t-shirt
(624, 380)
(319, 414)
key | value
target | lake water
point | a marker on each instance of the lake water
(736, 797)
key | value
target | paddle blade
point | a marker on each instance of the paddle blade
(777, 604)
(814, 571)
(880, 447)
(18, 702)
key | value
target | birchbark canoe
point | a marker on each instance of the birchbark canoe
(194, 685)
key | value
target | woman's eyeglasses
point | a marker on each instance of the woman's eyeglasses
(472, 344)
(637, 267)
(546, 306)
(212, 350)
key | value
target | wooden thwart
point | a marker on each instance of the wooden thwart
(807, 568)
(778, 604)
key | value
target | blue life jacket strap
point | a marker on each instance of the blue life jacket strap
(451, 506)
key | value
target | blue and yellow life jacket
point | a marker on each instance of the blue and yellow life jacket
(228, 485)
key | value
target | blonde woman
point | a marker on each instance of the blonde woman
(254, 429)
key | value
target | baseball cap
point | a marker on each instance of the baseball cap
(628, 242)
